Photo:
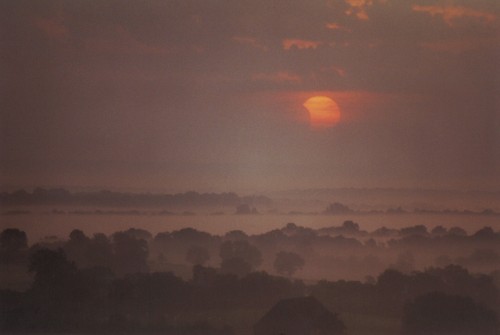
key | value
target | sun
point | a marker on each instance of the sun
(323, 111)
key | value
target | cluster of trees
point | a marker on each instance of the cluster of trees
(337, 208)
(13, 246)
(337, 252)
(440, 313)
(235, 252)
(406, 249)
(66, 298)
(391, 290)
(129, 251)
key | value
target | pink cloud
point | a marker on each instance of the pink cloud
(336, 26)
(358, 8)
(300, 44)
(451, 13)
(278, 77)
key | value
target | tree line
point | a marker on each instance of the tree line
(61, 196)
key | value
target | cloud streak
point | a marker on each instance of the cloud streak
(452, 14)
(289, 44)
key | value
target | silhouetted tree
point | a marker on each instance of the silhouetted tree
(298, 316)
(204, 276)
(241, 250)
(12, 239)
(51, 268)
(235, 235)
(77, 247)
(58, 290)
(350, 227)
(457, 231)
(288, 263)
(262, 289)
(236, 266)
(485, 233)
(392, 290)
(186, 237)
(100, 251)
(149, 295)
(348, 296)
(53, 304)
(197, 255)
(458, 280)
(337, 208)
(439, 313)
(439, 231)
(13, 245)
(130, 254)
(139, 233)
(405, 262)
(246, 209)
(414, 230)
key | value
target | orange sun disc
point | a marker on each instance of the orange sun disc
(323, 111)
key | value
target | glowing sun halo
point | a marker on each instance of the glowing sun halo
(323, 111)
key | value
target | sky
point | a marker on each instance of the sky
(209, 95)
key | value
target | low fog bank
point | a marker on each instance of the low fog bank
(381, 199)
(336, 252)
(310, 202)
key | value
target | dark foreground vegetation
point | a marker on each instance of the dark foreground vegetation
(132, 282)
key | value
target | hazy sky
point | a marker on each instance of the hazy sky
(208, 95)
